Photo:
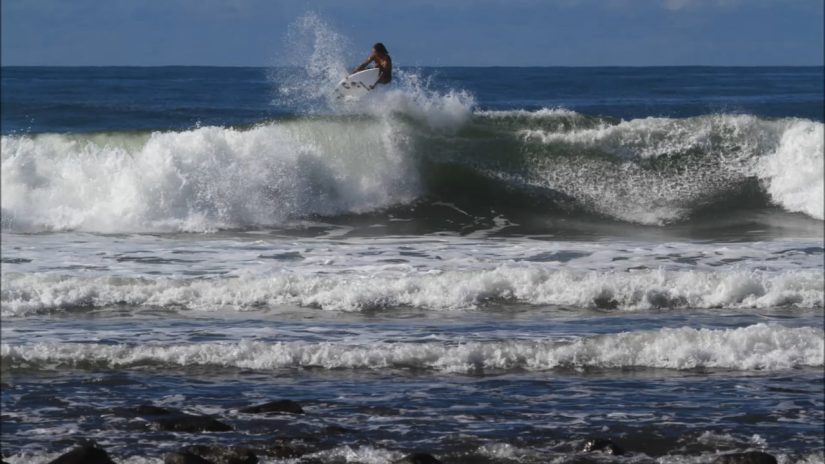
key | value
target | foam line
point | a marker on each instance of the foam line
(756, 347)
(26, 294)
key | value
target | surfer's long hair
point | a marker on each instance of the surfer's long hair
(380, 48)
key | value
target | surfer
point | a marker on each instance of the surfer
(383, 62)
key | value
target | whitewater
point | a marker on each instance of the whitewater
(460, 264)
(648, 171)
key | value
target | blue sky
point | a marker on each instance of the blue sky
(418, 32)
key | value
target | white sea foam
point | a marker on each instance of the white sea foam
(32, 458)
(411, 96)
(794, 171)
(202, 179)
(786, 155)
(733, 136)
(44, 458)
(58, 272)
(360, 454)
(24, 294)
(526, 114)
(760, 347)
(704, 458)
(371, 455)
(210, 178)
(507, 452)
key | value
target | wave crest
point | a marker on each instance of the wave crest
(24, 294)
(660, 170)
(416, 147)
(756, 347)
(202, 180)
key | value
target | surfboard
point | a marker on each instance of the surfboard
(356, 85)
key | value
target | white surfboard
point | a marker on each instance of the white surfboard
(356, 85)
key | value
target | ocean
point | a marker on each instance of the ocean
(489, 265)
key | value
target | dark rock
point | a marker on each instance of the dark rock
(152, 410)
(223, 454)
(287, 406)
(189, 423)
(750, 457)
(87, 453)
(184, 458)
(335, 430)
(602, 445)
(418, 458)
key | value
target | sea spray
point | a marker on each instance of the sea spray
(317, 57)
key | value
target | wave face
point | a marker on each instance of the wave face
(656, 170)
(760, 347)
(432, 148)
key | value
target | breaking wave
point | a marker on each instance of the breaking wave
(649, 171)
(756, 347)
(26, 294)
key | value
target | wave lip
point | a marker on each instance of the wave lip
(27, 294)
(756, 347)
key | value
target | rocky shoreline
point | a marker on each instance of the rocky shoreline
(90, 453)
(303, 448)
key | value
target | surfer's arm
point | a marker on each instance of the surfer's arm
(381, 79)
(364, 65)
